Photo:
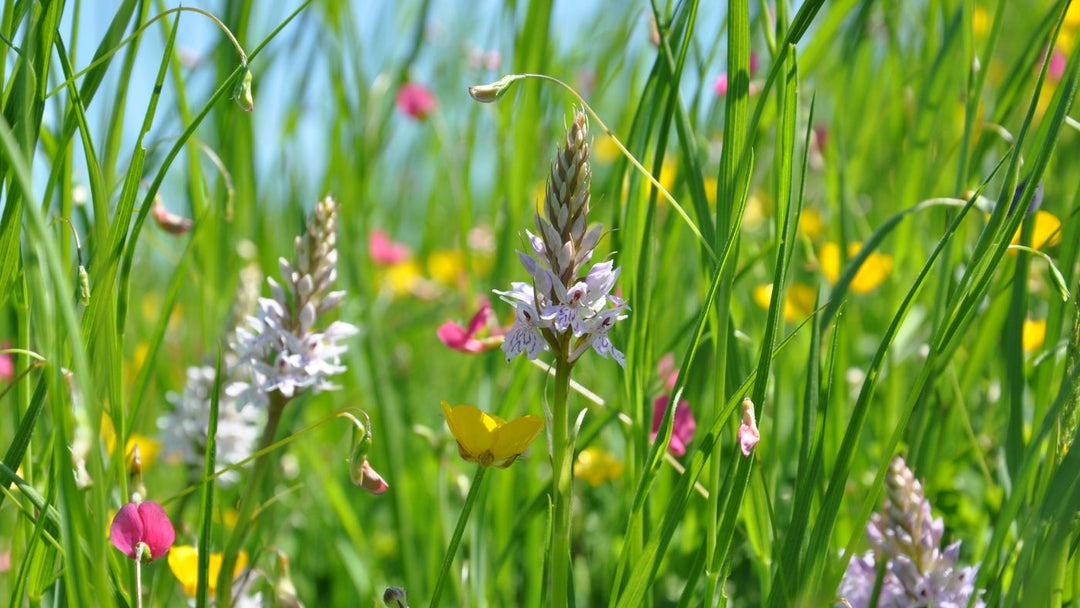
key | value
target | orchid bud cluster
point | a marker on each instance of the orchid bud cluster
(565, 308)
(280, 342)
(907, 538)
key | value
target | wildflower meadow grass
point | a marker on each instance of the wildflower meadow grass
(331, 303)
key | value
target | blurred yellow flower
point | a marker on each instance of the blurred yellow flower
(595, 466)
(184, 563)
(710, 190)
(1069, 30)
(810, 223)
(402, 278)
(227, 517)
(758, 207)
(148, 446)
(605, 150)
(980, 21)
(1034, 334)
(667, 176)
(489, 440)
(872, 273)
(446, 266)
(798, 303)
(138, 358)
(1047, 231)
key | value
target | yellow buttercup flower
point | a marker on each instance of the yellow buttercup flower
(1047, 231)
(1034, 334)
(489, 440)
(184, 563)
(595, 466)
(798, 303)
(872, 273)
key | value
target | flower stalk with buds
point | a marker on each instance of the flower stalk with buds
(566, 308)
(906, 545)
(286, 353)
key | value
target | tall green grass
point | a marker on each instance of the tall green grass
(897, 124)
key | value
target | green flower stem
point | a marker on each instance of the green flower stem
(249, 500)
(138, 574)
(455, 540)
(562, 447)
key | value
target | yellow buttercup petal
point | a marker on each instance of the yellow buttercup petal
(184, 563)
(1046, 233)
(1034, 334)
(873, 272)
(512, 438)
(487, 439)
(473, 429)
(595, 466)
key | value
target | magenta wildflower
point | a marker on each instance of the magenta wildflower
(143, 523)
(682, 430)
(384, 251)
(415, 100)
(464, 338)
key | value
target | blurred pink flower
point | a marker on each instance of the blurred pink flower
(721, 84)
(667, 370)
(371, 481)
(144, 523)
(821, 137)
(385, 252)
(464, 338)
(753, 63)
(748, 431)
(1056, 70)
(684, 424)
(415, 100)
(7, 364)
(5, 561)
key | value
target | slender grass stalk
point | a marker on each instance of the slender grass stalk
(455, 540)
(250, 499)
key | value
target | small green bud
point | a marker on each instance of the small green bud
(242, 92)
(395, 597)
(84, 286)
(487, 93)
